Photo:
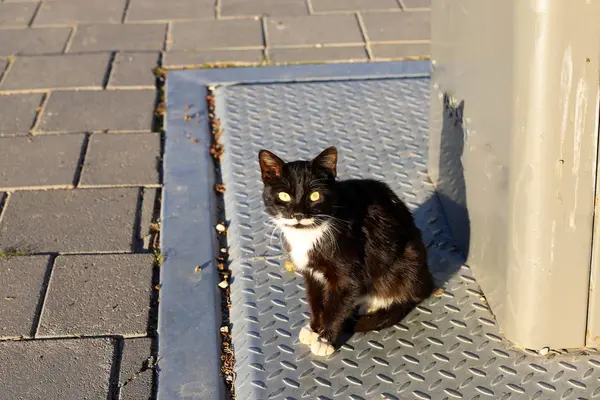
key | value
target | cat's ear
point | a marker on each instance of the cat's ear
(327, 160)
(270, 165)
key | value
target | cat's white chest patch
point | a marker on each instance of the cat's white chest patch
(302, 241)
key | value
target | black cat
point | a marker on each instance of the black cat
(354, 241)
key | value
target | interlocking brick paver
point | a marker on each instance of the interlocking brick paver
(161, 10)
(352, 5)
(16, 14)
(98, 295)
(395, 51)
(122, 159)
(180, 59)
(33, 40)
(61, 12)
(133, 69)
(271, 8)
(71, 369)
(318, 54)
(40, 72)
(316, 29)
(412, 4)
(99, 110)
(126, 37)
(136, 375)
(197, 35)
(22, 282)
(18, 112)
(55, 160)
(405, 26)
(84, 220)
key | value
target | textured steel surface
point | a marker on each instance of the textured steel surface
(450, 346)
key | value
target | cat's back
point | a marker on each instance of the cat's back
(375, 204)
(368, 192)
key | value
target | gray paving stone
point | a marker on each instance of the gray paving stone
(122, 159)
(98, 295)
(404, 26)
(181, 59)
(22, 282)
(33, 40)
(41, 72)
(412, 4)
(55, 160)
(318, 54)
(16, 14)
(353, 5)
(136, 374)
(72, 369)
(18, 112)
(316, 29)
(398, 51)
(134, 69)
(124, 37)
(161, 10)
(270, 8)
(70, 220)
(99, 110)
(190, 36)
(61, 12)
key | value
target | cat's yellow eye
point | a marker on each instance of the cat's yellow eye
(283, 196)
(314, 196)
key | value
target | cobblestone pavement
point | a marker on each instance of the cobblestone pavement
(80, 161)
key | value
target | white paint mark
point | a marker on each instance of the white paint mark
(552, 241)
(566, 83)
(581, 103)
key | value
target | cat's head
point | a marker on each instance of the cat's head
(299, 194)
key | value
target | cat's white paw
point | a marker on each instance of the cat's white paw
(321, 347)
(307, 335)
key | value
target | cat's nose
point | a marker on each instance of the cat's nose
(298, 216)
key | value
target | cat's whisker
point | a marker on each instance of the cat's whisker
(274, 234)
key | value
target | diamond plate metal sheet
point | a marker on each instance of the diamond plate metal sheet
(450, 346)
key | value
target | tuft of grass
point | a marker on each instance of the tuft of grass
(159, 258)
(10, 253)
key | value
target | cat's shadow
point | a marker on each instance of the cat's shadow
(443, 217)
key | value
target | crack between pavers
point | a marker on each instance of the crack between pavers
(74, 336)
(81, 162)
(39, 113)
(80, 187)
(363, 31)
(70, 39)
(149, 364)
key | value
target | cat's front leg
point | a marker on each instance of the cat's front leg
(338, 307)
(314, 295)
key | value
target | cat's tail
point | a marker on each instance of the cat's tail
(383, 318)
